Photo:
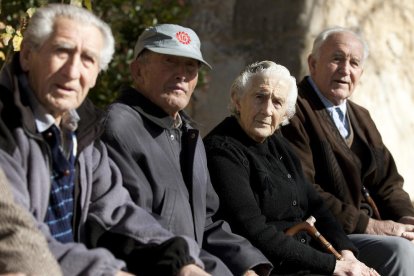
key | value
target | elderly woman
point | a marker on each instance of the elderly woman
(260, 181)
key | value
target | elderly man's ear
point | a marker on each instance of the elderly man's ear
(135, 68)
(311, 63)
(25, 55)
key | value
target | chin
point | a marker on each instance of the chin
(261, 136)
(64, 107)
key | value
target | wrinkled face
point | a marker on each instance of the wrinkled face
(65, 67)
(262, 107)
(168, 81)
(339, 67)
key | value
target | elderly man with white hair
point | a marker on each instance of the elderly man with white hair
(343, 154)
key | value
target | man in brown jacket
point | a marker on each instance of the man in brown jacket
(342, 152)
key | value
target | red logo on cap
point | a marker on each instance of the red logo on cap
(183, 37)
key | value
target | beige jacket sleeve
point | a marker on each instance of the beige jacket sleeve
(22, 247)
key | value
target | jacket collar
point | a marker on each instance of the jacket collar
(151, 111)
(305, 87)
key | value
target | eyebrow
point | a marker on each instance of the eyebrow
(70, 46)
(280, 99)
(262, 91)
(272, 95)
(341, 53)
(63, 44)
(338, 53)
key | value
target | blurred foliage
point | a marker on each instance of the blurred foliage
(126, 18)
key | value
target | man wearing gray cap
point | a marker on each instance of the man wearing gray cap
(162, 156)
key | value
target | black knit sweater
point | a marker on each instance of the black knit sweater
(263, 192)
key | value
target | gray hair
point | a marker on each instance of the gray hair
(42, 22)
(325, 34)
(278, 71)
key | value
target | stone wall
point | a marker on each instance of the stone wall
(237, 32)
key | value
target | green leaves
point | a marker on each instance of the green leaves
(14, 35)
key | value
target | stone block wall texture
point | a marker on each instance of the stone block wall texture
(235, 33)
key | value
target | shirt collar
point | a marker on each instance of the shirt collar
(178, 122)
(154, 113)
(166, 122)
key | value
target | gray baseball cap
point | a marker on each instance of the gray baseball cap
(170, 39)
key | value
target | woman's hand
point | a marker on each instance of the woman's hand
(353, 267)
(123, 273)
(250, 273)
(348, 255)
(192, 270)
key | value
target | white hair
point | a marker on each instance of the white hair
(325, 34)
(42, 22)
(240, 84)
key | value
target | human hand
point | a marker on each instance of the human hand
(192, 270)
(123, 273)
(250, 273)
(259, 270)
(348, 255)
(390, 228)
(353, 268)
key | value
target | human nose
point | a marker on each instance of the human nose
(180, 71)
(72, 68)
(345, 67)
(268, 107)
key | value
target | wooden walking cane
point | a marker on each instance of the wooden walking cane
(309, 227)
(371, 202)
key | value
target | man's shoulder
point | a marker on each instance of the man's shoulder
(357, 108)
(116, 109)
(126, 125)
(118, 114)
(129, 106)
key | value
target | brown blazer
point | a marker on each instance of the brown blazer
(337, 170)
